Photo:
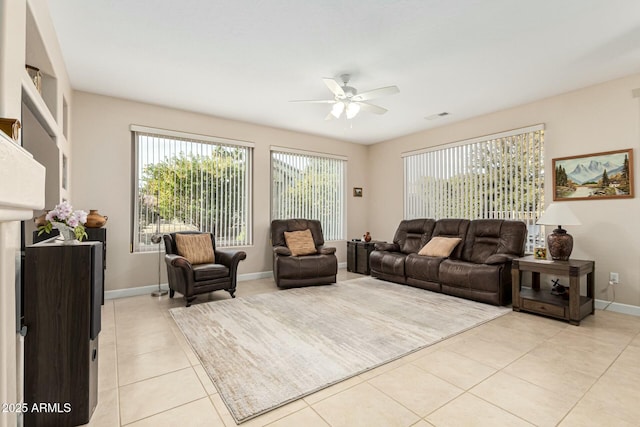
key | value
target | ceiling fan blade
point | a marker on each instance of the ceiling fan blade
(334, 87)
(315, 101)
(376, 93)
(329, 117)
(370, 108)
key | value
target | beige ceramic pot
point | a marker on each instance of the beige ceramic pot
(39, 221)
(95, 220)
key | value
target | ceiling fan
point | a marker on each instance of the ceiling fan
(348, 100)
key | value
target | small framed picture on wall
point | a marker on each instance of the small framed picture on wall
(357, 191)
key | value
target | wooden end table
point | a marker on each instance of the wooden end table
(534, 300)
(358, 256)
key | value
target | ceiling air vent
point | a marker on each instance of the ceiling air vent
(437, 116)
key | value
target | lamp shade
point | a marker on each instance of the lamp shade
(352, 110)
(558, 214)
(337, 109)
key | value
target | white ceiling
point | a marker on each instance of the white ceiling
(245, 60)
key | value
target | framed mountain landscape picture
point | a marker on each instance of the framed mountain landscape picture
(605, 175)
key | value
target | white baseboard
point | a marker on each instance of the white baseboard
(254, 276)
(132, 292)
(142, 290)
(634, 310)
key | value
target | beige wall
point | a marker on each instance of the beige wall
(101, 177)
(599, 118)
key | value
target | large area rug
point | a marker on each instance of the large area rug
(266, 350)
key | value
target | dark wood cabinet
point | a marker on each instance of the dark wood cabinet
(99, 235)
(93, 235)
(62, 294)
(358, 256)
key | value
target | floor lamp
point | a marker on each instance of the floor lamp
(157, 238)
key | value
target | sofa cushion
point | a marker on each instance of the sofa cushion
(388, 263)
(440, 246)
(307, 267)
(413, 234)
(300, 242)
(203, 272)
(487, 237)
(479, 277)
(452, 227)
(279, 226)
(196, 248)
(423, 268)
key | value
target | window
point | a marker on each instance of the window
(311, 186)
(497, 176)
(190, 182)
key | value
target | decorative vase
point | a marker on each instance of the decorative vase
(68, 234)
(95, 220)
(367, 237)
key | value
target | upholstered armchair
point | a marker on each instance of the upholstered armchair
(195, 266)
(299, 255)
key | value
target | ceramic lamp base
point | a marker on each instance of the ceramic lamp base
(560, 244)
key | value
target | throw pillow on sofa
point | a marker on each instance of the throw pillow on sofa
(440, 246)
(196, 248)
(300, 242)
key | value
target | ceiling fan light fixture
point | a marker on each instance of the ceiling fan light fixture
(337, 109)
(346, 99)
(352, 110)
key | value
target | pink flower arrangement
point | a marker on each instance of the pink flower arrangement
(64, 215)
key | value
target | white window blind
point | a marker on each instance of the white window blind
(498, 176)
(190, 182)
(311, 186)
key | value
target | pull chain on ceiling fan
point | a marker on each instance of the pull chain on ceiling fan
(347, 99)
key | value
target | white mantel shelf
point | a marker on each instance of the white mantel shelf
(21, 182)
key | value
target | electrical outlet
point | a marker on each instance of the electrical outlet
(614, 278)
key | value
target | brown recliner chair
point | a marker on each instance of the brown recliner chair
(191, 280)
(290, 271)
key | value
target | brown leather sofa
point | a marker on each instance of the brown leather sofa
(290, 271)
(479, 268)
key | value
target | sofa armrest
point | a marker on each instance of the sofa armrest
(500, 259)
(384, 246)
(326, 250)
(179, 274)
(177, 261)
(230, 257)
(281, 250)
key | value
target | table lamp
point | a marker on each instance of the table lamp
(559, 243)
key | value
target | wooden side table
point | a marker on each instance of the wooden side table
(358, 256)
(534, 300)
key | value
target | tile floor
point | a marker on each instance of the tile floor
(517, 370)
